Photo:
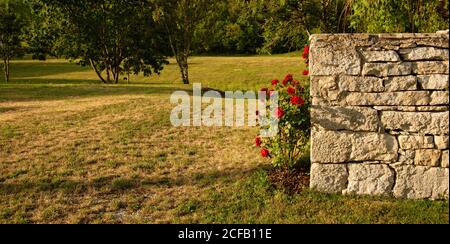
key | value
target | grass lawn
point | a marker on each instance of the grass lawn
(75, 151)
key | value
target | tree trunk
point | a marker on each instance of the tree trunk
(108, 75)
(6, 69)
(184, 69)
(97, 71)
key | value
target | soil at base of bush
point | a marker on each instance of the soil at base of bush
(291, 181)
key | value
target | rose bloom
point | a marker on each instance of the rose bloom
(305, 52)
(279, 113)
(296, 100)
(288, 79)
(291, 91)
(306, 72)
(275, 82)
(258, 141)
(265, 153)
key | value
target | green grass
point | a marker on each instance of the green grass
(73, 150)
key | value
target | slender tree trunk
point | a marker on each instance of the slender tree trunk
(108, 75)
(6, 69)
(184, 69)
(93, 65)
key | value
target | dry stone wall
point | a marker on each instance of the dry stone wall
(380, 114)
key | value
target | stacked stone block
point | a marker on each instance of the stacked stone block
(380, 114)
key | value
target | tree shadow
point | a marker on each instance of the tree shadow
(39, 69)
(33, 92)
(115, 183)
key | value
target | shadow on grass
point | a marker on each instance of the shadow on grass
(37, 69)
(33, 92)
(115, 183)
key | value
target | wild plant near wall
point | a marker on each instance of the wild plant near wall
(287, 148)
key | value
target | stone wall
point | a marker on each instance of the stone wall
(380, 114)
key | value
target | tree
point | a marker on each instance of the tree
(180, 19)
(112, 36)
(399, 16)
(11, 27)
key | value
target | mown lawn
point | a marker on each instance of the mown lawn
(75, 151)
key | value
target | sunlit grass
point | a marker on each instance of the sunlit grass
(73, 150)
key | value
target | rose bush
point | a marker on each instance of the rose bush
(286, 149)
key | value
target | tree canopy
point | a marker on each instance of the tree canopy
(121, 37)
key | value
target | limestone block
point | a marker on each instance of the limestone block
(360, 84)
(330, 178)
(370, 179)
(416, 142)
(428, 157)
(436, 123)
(419, 182)
(444, 160)
(381, 56)
(439, 98)
(387, 69)
(345, 118)
(408, 98)
(433, 82)
(430, 67)
(341, 147)
(441, 142)
(424, 53)
(401, 83)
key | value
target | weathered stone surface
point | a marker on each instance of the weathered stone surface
(370, 179)
(430, 67)
(433, 82)
(340, 147)
(395, 108)
(428, 157)
(406, 156)
(334, 59)
(330, 147)
(439, 98)
(432, 108)
(444, 160)
(345, 118)
(381, 56)
(424, 53)
(387, 69)
(401, 83)
(360, 84)
(408, 98)
(423, 122)
(416, 142)
(331, 178)
(324, 86)
(374, 147)
(441, 142)
(419, 182)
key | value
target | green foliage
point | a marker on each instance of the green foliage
(375, 16)
(179, 19)
(114, 37)
(11, 33)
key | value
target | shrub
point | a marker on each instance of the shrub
(287, 148)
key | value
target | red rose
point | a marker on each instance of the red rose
(305, 52)
(258, 141)
(306, 72)
(297, 101)
(275, 82)
(265, 153)
(288, 79)
(291, 90)
(279, 113)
